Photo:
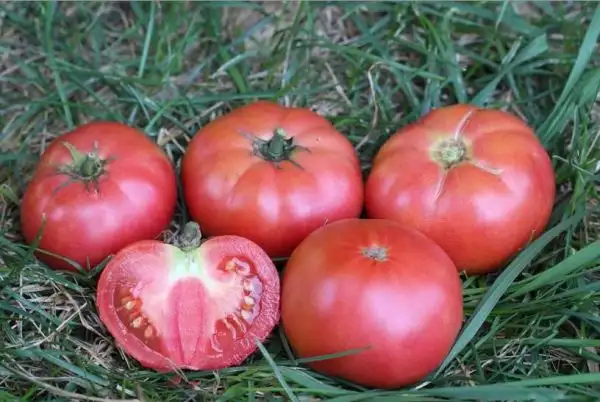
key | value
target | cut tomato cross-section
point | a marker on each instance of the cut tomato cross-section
(197, 306)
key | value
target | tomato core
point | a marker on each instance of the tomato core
(450, 152)
(376, 253)
(199, 307)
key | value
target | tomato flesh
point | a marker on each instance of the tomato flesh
(198, 309)
(375, 288)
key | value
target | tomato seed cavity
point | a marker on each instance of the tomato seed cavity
(130, 313)
(236, 325)
(241, 267)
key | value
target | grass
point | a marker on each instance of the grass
(532, 331)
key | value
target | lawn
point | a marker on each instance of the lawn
(532, 330)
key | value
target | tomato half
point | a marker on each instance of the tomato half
(376, 286)
(270, 174)
(476, 181)
(97, 189)
(189, 306)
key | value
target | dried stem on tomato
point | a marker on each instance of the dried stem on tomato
(190, 237)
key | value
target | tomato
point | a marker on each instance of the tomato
(97, 189)
(377, 288)
(271, 174)
(476, 181)
(190, 305)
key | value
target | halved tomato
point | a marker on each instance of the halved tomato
(189, 306)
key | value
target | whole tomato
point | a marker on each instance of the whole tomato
(97, 189)
(476, 181)
(190, 305)
(375, 288)
(271, 174)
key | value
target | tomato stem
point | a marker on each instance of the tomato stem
(85, 167)
(277, 149)
(276, 146)
(450, 152)
(91, 167)
(376, 253)
(191, 236)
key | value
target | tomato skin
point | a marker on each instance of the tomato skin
(482, 214)
(407, 309)
(182, 297)
(134, 200)
(229, 189)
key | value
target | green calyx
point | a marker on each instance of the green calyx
(86, 167)
(277, 149)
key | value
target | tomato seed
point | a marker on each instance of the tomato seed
(247, 285)
(240, 325)
(137, 322)
(230, 327)
(243, 268)
(148, 332)
(130, 305)
(246, 315)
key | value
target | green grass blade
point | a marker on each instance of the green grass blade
(501, 285)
